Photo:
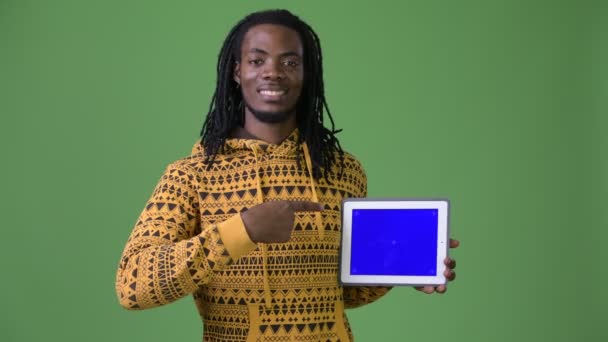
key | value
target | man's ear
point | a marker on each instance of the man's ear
(237, 72)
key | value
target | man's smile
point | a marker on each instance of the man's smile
(272, 94)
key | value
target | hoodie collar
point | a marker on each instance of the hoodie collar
(288, 146)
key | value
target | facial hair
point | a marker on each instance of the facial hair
(270, 117)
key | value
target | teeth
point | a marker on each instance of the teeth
(272, 92)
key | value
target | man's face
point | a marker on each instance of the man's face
(270, 72)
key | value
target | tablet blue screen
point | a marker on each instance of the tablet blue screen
(394, 242)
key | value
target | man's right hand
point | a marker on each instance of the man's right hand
(272, 222)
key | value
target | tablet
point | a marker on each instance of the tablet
(394, 241)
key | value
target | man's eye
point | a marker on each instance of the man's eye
(291, 63)
(256, 61)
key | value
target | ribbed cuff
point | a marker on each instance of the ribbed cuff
(235, 237)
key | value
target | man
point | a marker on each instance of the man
(249, 223)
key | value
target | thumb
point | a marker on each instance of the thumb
(306, 206)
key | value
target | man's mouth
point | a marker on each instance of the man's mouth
(272, 94)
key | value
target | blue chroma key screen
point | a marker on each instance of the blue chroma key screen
(394, 242)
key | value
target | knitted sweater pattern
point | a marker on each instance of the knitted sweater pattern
(189, 239)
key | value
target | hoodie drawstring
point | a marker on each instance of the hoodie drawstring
(263, 247)
(260, 199)
(315, 197)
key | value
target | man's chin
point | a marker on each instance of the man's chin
(271, 117)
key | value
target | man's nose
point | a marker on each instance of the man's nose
(273, 71)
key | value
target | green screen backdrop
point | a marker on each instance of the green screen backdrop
(500, 106)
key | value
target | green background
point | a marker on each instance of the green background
(500, 106)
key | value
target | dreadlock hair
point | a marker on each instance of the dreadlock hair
(226, 110)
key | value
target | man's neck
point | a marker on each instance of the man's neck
(270, 133)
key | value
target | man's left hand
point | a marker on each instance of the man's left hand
(449, 273)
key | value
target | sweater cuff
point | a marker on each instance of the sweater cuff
(235, 237)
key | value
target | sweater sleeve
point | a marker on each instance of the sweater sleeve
(356, 296)
(169, 253)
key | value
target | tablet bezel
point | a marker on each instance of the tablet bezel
(348, 204)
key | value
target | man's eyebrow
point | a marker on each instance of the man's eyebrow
(256, 50)
(290, 53)
(284, 54)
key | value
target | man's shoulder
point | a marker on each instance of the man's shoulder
(184, 165)
(351, 169)
(352, 162)
(197, 160)
(192, 163)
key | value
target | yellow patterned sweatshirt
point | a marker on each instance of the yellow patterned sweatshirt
(190, 240)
